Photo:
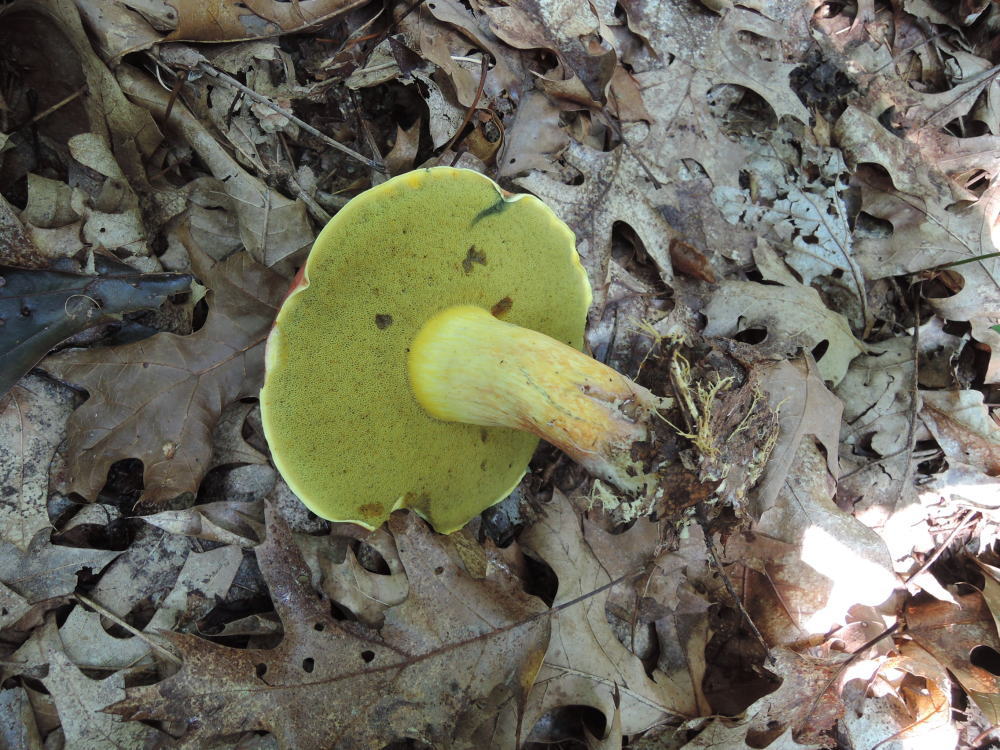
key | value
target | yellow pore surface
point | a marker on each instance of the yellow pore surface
(344, 428)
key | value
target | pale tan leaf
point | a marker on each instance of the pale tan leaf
(203, 580)
(18, 728)
(585, 661)
(963, 427)
(45, 570)
(793, 316)
(33, 417)
(80, 701)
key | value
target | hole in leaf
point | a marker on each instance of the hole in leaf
(308, 664)
(260, 670)
(986, 658)
(564, 726)
(889, 120)
(820, 349)
(368, 656)
(319, 627)
(541, 580)
(867, 225)
(370, 558)
(751, 335)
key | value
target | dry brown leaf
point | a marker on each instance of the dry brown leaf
(742, 48)
(615, 188)
(906, 698)
(951, 633)
(585, 661)
(46, 570)
(18, 248)
(931, 216)
(272, 226)
(338, 573)
(448, 669)
(144, 573)
(849, 563)
(33, 418)
(563, 26)
(116, 29)
(81, 700)
(159, 399)
(963, 427)
(991, 590)
(227, 522)
(505, 77)
(232, 20)
(12, 606)
(201, 583)
(795, 197)
(878, 395)
(533, 139)
(796, 716)
(404, 151)
(671, 595)
(832, 543)
(793, 316)
(18, 728)
(228, 444)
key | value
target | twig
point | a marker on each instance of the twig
(699, 510)
(472, 107)
(58, 105)
(229, 80)
(840, 670)
(966, 519)
(133, 630)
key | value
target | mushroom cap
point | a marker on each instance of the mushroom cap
(344, 428)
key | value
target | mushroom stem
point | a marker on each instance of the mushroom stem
(467, 366)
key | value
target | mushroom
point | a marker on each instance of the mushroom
(431, 338)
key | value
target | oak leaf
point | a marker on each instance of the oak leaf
(448, 668)
(159, 399)
(585, 661)
(615, 188)
(80, 701)
(46, 570)
(32, 424)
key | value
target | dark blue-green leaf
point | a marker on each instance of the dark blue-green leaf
(38, 309)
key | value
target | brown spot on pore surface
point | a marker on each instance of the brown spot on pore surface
(383, 321)
(502, 307)
(473, 256)
(371, 511)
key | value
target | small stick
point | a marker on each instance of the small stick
(472, 107)
(229, 80)
(699, 510)
(58, 105)
(134, 631)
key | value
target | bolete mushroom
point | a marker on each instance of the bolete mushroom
(433, 335)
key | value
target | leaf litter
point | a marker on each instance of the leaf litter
(786, 211)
